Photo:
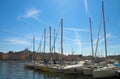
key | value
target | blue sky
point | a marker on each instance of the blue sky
(21, 20)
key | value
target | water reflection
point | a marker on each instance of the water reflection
(15, 70)
(47, 75)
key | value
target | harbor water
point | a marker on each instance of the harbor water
(17, 70)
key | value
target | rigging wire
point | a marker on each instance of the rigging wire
(39, 48)
(56, 37)
(98, 34)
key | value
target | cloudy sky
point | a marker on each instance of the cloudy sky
(21, 20)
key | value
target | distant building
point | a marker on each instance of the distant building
(1, 56)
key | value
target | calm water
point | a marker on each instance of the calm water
(14, 70)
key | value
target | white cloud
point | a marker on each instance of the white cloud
(17, 41)
(68, 39)
(107, 36)
(95, 41)
(101, 40)
(75, 29)
(33, 34)
(26, 35)
(78, 42)
(86, 6)
(31, 14)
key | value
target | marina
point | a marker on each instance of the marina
(92, 68)
(17, 70)
(63, 46)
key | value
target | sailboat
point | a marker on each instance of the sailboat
(88, 70)
(58, 67)
(42, 65)
(39, 65)
(62, 67)
(74, 69)
(52, 67)
(32, 63)
(106, 71)
(45, 67)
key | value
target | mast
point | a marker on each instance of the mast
(50, 44)
(44, 40)
(33, 44)
(33, 48)
(39, 48)
(41, 41)
(54, 40)
(62, 36)
(104, 29)
(50, 39)
(61, 40)
(98, 35)
(91, 38)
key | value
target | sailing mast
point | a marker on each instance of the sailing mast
(61, 42)
(91, 38)
(50, 44)
(54, 41)
(98, 35)
(33, 44)
(44, 40)
(50, 39)
(33, 48)
(39, 48)
(54, 45)
(104, 30)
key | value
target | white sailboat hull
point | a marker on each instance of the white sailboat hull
(101, 73)
(73, 69)
(87, 71)
(38, 67)
(55, 70)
